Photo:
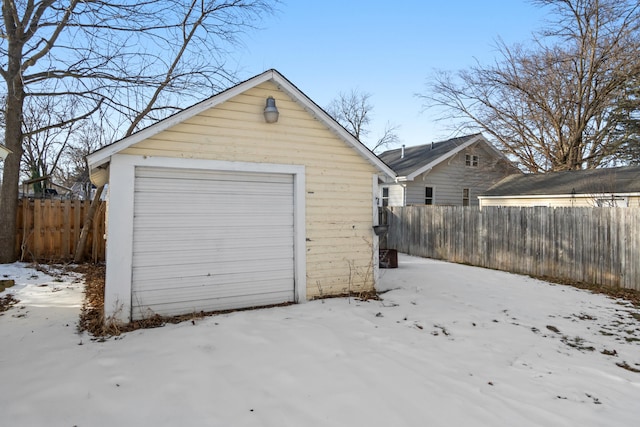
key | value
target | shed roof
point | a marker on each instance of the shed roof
(421, 158)
(589, 181)
(102, 156)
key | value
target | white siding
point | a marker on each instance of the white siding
(396, 194)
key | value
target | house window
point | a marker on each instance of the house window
(385, 196)
(428, 195)
(465, 197)
(471, 160)
(612, 202)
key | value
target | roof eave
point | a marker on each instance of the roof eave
(333, 125)
(561, 196)
(103, 155)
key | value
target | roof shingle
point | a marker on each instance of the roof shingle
(420, 155)
(624, 179)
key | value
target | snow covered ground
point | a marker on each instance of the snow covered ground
(448, 345)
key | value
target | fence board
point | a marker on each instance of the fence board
(49, 230)
(600, 246)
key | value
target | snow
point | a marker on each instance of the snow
(448, 345)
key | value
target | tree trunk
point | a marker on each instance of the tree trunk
(13, 141)
(88, 222)
(9, 205)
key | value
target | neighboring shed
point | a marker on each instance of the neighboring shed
(44, 188)
(214, 208)
(591, 187)
(451, 172)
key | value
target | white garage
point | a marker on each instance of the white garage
(211, 240)
(250, 198)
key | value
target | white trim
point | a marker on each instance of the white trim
(559, 196)
(483, 199)
(117, 301)
(119, 257)
(300, 232)
(377, 199)
(375, 190)
(103, 155)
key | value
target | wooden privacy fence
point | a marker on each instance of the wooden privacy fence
(599, 246)
(48, 230)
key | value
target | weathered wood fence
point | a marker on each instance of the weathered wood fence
(599, 246)
(48, 230)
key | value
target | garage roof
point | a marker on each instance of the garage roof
(102, 156)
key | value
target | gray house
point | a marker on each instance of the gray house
(452, 172)
(610, 187)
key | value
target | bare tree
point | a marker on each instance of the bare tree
(131, 62)
(551, 106)
(353, 111)
(45, 138)
(73, 170)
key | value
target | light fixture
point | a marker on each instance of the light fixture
(271, 111)
(99, 176)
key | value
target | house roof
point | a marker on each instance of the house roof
(590, 181)
(422, 158)
(102, 156)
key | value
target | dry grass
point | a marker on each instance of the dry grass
(631, 295)
(6, 302)
(362, 296)
(92, 314)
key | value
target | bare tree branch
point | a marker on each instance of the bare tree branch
(551, 106)
(353, 111)
(127, 63)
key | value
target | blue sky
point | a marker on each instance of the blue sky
(388, 49)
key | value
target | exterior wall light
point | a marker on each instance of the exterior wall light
(271, 111)
(4, 151)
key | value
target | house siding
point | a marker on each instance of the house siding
(338, 180)
(396, 194)
(450, 177)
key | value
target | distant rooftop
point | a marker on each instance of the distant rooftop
(624, 179)
(420, 155)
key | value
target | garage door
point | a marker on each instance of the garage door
(209, 240)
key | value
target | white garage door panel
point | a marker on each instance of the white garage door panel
(186, 238)
(211, 269)
(166, 279)
(207, 240)
(201, 286)
(219, 251)
(195, 299)
(205, 196)
(178, 308)
(207, 175)
(210, 220)
(201, 290)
